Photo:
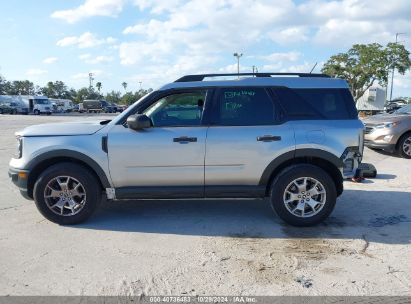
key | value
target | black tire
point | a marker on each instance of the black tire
(36, 112)
(282, 181)
(401, 149)
(1, 111)
(84, 176)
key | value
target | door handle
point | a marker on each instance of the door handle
(184, 139)
(268, 138)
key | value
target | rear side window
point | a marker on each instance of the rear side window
(331, 104)
(243, 107)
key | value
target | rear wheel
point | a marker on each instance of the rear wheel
(303, 195)
(36, 112)
(404, 146)
(67, 193)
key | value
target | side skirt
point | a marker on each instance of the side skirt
(183, 192)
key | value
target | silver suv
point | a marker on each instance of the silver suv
(290, 137)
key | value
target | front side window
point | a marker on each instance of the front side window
(244, 107)
(183, 109)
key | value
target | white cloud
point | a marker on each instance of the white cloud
(88, 58)
(288, 56)
(50, 60)
(85, 40)
(90, 8)
(289, 35)
(35, 72)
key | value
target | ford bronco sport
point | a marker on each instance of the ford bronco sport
(290, 137)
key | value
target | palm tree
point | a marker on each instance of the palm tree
(124, 84)
(98, 86)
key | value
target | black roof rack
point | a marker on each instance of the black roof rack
(200, 77)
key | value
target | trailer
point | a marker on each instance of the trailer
(63, 105)
(92, 106)
(34, 104)
(372, 101)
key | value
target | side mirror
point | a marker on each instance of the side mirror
(139, 122)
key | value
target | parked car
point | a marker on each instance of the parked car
(390, 132)
(5, 108)
(292, 138)
(394, 105)
(12, 108)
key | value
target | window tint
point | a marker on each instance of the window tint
(317, 103)
(184, 109)
(243, 107)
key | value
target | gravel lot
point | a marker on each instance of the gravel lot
(209, 247)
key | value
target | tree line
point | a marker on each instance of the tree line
(365, 65)
(58, 89)
(362, 66)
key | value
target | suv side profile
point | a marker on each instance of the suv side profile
(292, 138)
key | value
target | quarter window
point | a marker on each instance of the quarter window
(244, 107)
(183, 109)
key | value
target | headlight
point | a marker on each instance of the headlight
(387, 125)
(19, 150)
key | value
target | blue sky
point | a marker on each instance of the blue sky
(157, 41)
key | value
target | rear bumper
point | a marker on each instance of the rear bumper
(19, 177)
(386, 147)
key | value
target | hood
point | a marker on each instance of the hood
(382, 118)
(63, 129)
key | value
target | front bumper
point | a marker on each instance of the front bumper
(19, 177)
(383, 146)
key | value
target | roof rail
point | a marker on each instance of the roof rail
(200, 77)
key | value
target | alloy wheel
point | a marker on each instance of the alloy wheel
(304, 197)
(65, 196)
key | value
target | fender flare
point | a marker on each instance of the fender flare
(74, 155)
(278, 161)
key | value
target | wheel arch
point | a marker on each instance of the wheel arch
(397, 144)
(323, 159)
(45, 160)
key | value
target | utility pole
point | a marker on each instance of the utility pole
(90, 78)
(238, 55)
(140, 82)
(393, 69)
(255, 69)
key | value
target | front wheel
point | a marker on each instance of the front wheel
(67, 193)
(404, 146)
(303, 195)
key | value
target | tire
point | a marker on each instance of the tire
(1, 111)
(36, 112)
(87, 200)
(283, 189)
(404, 146)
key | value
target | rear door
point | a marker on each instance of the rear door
(244, 137)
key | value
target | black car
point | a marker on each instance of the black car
(6, 109)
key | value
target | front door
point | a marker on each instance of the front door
(166, 160)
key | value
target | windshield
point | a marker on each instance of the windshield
(42, 101)
(404, 110)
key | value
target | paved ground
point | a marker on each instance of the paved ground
(209, 247)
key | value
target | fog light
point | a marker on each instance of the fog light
(388, 138)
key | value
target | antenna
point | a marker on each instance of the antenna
(313, 67)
